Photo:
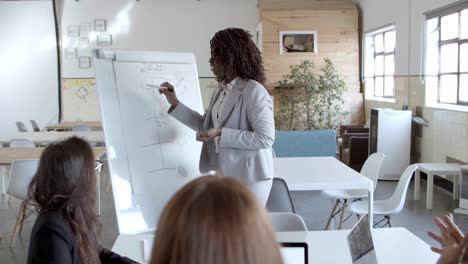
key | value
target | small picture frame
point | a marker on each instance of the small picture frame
(100, 25)
(73, 31)
(84, 62)
(84, 41)
(104, 40)
(298, 41)
(70, 53)
(84, 29)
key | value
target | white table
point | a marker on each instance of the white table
(95, 125)
(43, 138)
(392, 245)
(322, 173)
(432, 169)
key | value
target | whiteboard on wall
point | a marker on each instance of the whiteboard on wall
(151, 155)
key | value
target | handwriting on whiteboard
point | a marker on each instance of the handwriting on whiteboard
(153, 67)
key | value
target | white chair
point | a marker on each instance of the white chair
(15, 143)
(21, 143)
(35, 126)
(287, 222)
(371, 170)
(21, 174)
(21, 127)
(391, 206)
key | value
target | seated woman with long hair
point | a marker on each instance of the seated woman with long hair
(64, 190)
(215, 220)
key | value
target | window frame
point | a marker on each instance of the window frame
(371, 35)
(438, 14)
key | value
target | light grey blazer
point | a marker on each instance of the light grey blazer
(248, 133)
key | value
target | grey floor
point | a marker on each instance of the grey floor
(312, 206)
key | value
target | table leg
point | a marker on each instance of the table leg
(3, 175)
(332, 221)
(456, 186)
(98, 192)
(417, 184)
(371, 209)
(430, 190)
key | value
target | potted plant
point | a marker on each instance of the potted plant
(310, 102)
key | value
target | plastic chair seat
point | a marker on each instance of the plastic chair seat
(380, 208)
(287, 222)
(345, 194)
(392, 205)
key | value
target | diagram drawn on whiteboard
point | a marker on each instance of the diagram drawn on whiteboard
(156, 133)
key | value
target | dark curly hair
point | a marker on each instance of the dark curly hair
(235, 49)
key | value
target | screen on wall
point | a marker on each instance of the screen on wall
(28, 65)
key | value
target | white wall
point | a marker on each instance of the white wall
(28, 64)
(445, 138)
(170, 25)
(408, 16)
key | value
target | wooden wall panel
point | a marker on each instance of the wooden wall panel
(306, 4)
(337, 39)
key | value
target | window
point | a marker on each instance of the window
(447, 56)
(380, 63)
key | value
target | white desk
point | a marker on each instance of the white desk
(41, 138)
(392, 245)
(432, 169)
(63, 126)
(322, 173)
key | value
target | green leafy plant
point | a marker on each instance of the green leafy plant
(310, 102)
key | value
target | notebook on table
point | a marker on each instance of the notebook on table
(295, 253)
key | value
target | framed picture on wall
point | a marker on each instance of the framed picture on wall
(84, 62)
(104, 40)
(100, 25)
(73, 31)
(84, 29)
(298, 41)
(70, 53)
(84, 41)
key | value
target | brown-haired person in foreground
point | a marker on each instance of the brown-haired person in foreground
(215, 220)
(453, 243)
(64, 189)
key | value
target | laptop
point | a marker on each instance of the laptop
(360, 243)
(295, 253)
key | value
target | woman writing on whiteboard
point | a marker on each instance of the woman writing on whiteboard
(238, 128)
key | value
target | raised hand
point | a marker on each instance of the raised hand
(453, 244)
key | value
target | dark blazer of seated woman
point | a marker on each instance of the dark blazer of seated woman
(64, 190)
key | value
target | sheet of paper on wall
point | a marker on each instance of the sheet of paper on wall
(84, 29)
(151, 155)
(70, 53)
(361, 244)
(80, 100)
(84, 62)
(73, 31)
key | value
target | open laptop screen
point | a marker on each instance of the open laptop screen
(295, 253)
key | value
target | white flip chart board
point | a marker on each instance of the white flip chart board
(151, 155)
